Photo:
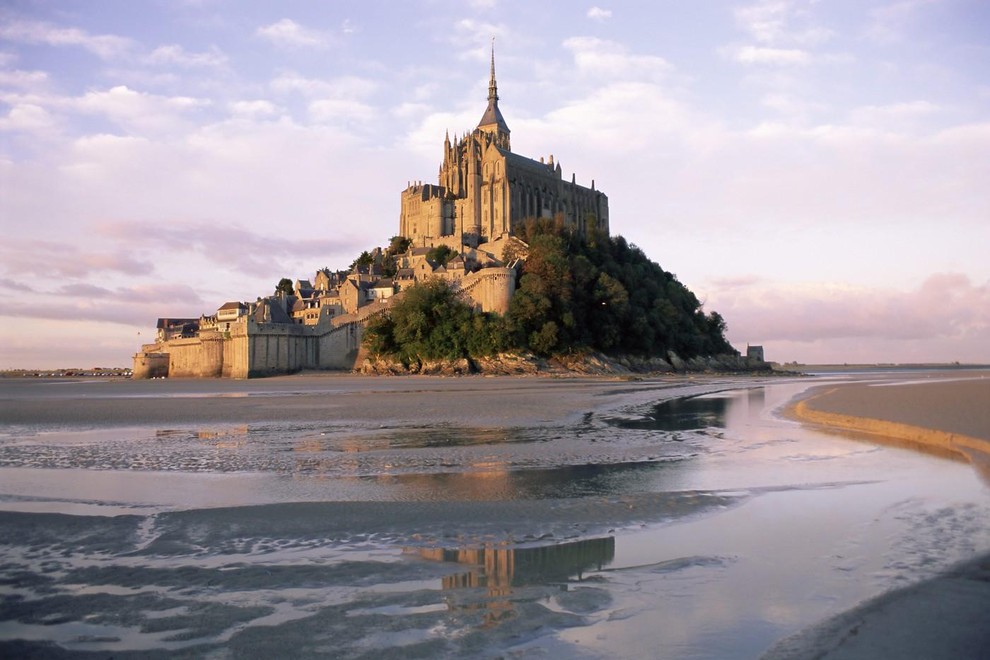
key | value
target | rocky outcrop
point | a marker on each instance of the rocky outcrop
(583, 364)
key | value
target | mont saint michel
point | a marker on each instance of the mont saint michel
(470, 234)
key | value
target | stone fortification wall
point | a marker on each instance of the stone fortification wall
(236, 348)
(490, 289)
(340, 348)
(251, 349)
(196, 357)
(278, 348)
(150, 363)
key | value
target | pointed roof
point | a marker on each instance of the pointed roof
(492, 114)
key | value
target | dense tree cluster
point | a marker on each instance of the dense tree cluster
(433, 322)
(603, 293)
(574, 293)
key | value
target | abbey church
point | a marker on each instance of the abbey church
(485, 191)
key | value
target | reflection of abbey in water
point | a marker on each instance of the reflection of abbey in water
(498, 569)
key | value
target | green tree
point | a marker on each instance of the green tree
(363, 261)
(433, 322)
(398, 245)
(284, 287)
(440, 254)
(593, 291)
(390, 262)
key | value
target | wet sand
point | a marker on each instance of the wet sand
(465, 401)
(277, 507)
(951, 415)
(944, 617)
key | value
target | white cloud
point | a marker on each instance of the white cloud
(771, 56)
(287, 33)
(765, 21)
(176, 54)
(139, 111)
(790, 105)
(474, 37)
(599, 14)
(341, 112)
(28, 79)
(254, 109)
(105, 46)
(770, 23)
(28, 118)
(612, 61)
(352, 87)
(896, 116)
(890, 21)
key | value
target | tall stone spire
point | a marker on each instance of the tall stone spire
(492, 121)
(492, 87)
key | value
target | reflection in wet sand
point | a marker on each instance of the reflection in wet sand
(499, 568)
(686, 414)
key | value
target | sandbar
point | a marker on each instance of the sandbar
(951, 415)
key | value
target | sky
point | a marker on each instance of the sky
(816, 171)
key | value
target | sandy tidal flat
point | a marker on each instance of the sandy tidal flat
(475, 517)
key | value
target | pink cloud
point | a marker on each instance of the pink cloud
(237, 248)
(946, 311)
(45, 258)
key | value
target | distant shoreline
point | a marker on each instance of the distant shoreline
(879, 366)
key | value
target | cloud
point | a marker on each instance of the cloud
(27, 117)
(255, 109)
(29, 79)
(772, 56)
(158, 293)
(176, 54)
(139, 111)
(46, 259)
(342, 112)
(765, 21)
(945, 307)
(770, 22)
(890, 21)
(473, 37)
(287, 33)
(16, 285)
(895, 116)
(234, 247)
(351, 87)
(599, 14)
(105, 46)
(612, 61)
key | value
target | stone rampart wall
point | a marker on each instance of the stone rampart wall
(491, 289)
(250, 349)
(196, 357)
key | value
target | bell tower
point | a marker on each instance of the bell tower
(492, 122)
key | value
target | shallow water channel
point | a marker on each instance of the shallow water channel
(642, 526)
